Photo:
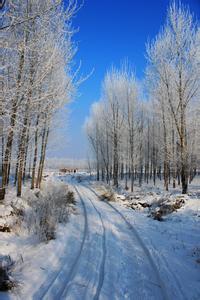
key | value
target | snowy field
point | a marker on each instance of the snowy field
(108, 250)
(174, 243)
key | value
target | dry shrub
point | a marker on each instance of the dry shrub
(108, 195)
(166, 207)
(6, 266)
(47, 208)
(71, 198)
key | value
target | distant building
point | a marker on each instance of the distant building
(68, 170)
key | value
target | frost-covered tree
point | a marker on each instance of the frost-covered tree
(174, 67)
(112, 125)
(36, 80)
(155, 138)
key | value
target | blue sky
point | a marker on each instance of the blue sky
(109, 32)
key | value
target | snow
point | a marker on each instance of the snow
(108, 251)
(5, 210)
(171, 244)
(175, 243)
(36, 263)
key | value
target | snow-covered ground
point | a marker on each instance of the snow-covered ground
(174, 243)
(109, 251)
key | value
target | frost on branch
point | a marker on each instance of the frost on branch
(47, 208)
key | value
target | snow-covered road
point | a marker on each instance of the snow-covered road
(107, 261)
(108, 251)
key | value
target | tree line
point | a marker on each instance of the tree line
(152, 134)
(36, 80)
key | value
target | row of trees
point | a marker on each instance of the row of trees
(158, 137)
(35, 81)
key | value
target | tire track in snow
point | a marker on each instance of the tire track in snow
(161, 284)
(161, 257)
(102, 265)
(75, 264)
(45, 288)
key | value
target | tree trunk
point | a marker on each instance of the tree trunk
(115, 161)
(45, 136)
(8, 150)
(35, 155)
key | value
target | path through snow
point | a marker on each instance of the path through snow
(111, 261)
(103, 257)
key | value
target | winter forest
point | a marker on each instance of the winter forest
(153, 133)
(36, 81)
(99, 149)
